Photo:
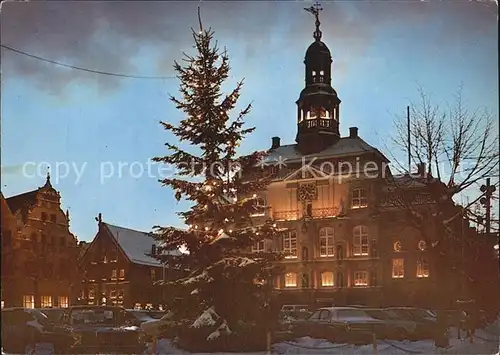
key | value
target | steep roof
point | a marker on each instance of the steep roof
(17, 202)
(346, 146)
(135, 244)
(5, 211)
(28, 199)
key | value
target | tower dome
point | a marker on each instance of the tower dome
(318, 103)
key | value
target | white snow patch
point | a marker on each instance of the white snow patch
(201, 277)
(207, 318)
(246, 261)
(223, 328)
(194, 292)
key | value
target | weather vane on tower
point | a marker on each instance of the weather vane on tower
(315, 9)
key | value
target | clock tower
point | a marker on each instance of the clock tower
(318, 104)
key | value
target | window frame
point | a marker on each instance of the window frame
(291, 238)
(324, 278)
(29, 303)
(422, 268)
(360, 278)
(359, 198)
(360, 241)
(328, 249)
(398, 268)
(46, 301)
(290, 279)
(256, 247)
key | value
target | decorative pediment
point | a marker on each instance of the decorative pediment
(306, 172)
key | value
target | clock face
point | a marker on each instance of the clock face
(306, 192)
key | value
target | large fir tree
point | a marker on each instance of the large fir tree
(223, 274)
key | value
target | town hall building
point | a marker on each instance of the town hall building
(345, 243)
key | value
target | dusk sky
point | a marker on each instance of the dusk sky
(51, 114)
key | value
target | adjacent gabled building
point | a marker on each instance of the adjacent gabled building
(38, 250)
(118, 267)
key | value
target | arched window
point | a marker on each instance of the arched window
(360, 241)
(290, 279)
(327, 279)
(326, 245)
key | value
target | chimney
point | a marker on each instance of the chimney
(153, 249)
(353, 132)
(421, 172)
(275, 142)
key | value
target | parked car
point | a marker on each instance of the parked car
(398, 328)
(156, 327)
(56, 315)
(137, 317)
(23, 328)
(342, 324)
(99, 329)
(424, 319)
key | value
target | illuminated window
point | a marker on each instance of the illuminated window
(113, 257)
(114, 274)
(120, 293)
(259, 247)
(327, 278)
(153, 275)
(422, 268)
(291, 279)
(46, 301)
(360, 242)
(260, 207)
(422, 245)
(63, 301)
(122, 274)
(326, 243)
(398, 268)
(290, 244)
(359, 198)
(112, 293)
(313, 73)
(92, 294)
(397, 246)
(29, 301)
(361, 278)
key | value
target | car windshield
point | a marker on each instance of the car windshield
(420, 313)
(41, 317)
(53, 314)
(93, 316)
(156, 314)
(351, 313)
(378, 314)
(142, 315)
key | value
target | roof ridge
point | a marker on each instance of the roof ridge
(127, 228)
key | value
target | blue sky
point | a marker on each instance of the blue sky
(51, 114)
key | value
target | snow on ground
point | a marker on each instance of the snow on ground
(485, 342)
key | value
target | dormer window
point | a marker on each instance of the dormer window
(313, 73)
(321, 72)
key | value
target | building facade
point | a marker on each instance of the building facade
(38, 250)
(118, 268)
(344, 243)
